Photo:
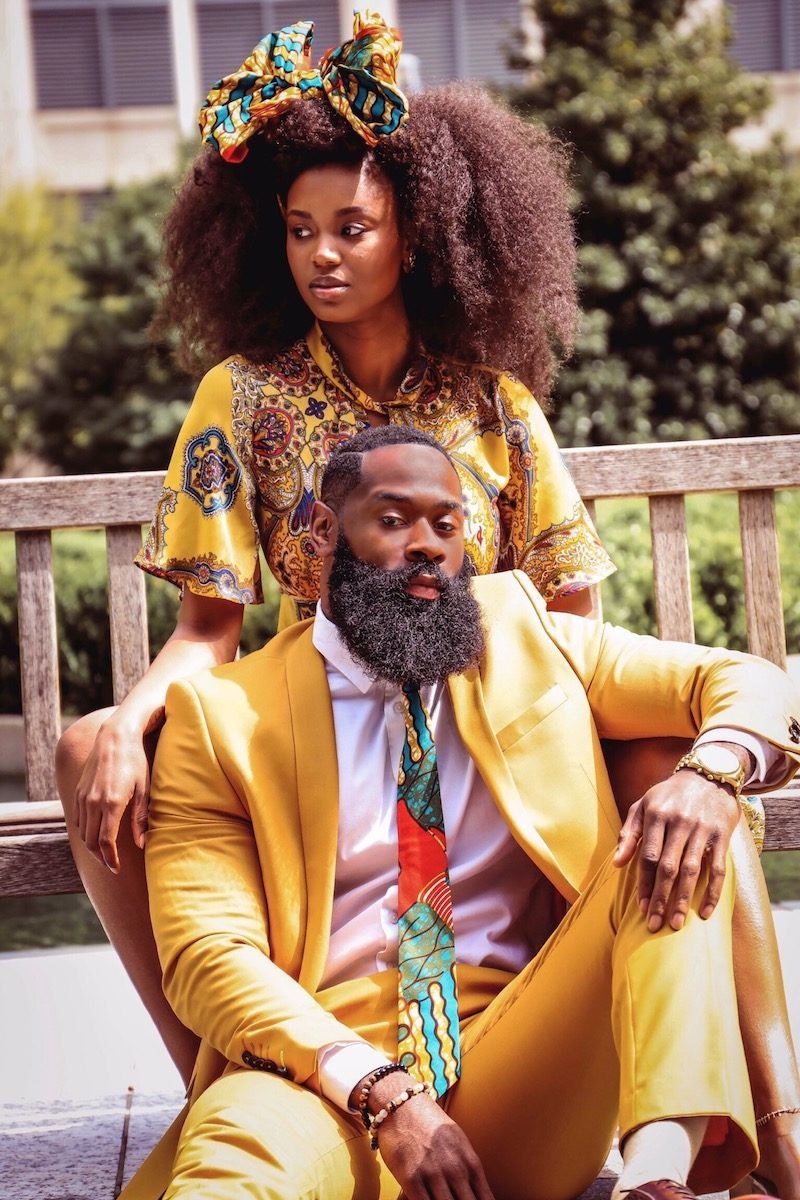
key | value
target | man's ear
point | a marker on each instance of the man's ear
(324, 529)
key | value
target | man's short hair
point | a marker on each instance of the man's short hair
(343, 472)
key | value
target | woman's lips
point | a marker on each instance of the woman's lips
(327, 287)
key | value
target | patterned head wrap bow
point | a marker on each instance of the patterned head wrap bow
(357, 77)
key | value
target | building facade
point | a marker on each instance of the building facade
(103, 92)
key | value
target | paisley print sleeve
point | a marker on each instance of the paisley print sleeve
(545, 528)
(204, 534)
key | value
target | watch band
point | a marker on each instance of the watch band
(735, 779)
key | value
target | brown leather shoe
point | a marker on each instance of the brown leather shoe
(666, 1189)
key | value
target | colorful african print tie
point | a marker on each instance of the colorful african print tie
(428, 1000)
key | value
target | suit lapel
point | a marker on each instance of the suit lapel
(317, 796)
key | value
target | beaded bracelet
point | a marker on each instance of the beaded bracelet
(416, 1089)
(369, 1083)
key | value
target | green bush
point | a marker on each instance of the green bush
(717, 587)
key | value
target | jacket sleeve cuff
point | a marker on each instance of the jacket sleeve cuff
(341, 1065)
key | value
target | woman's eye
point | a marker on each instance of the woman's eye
(390, 521)
(352, 230)
(298, 232)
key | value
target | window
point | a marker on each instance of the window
(766, 34)
(460, 39)
(101, 53)
(227, 30)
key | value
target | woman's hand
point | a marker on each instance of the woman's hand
(116, 775)
(117, 771)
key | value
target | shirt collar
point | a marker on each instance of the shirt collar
(426, 386)
(327, 639)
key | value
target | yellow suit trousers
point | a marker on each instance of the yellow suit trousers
(608, 1024)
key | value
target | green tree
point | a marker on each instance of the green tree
(109, 398)
(36, 289)
(689, 244)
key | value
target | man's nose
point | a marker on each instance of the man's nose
(423, 545)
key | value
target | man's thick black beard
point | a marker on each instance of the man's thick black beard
(400, 638)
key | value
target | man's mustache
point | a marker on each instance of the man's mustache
(403, 575)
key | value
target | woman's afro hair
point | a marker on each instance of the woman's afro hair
(483, 198)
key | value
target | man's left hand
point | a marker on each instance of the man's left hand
(679, 826)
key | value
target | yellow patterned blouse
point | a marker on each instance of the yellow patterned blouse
(247, 464)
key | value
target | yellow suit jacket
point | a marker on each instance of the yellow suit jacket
(243, 821)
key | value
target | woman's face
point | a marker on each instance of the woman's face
(344, 245)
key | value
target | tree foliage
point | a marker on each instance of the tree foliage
(689, 244)
(37, 288)
(108, 398)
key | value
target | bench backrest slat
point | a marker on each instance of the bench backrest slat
(38, 648)
(671, 580)
(766, 633)
(80, 501)
(130, 650)
(671, 468)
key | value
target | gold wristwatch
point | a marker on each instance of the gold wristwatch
(717, 763)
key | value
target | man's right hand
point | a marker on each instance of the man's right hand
(427, 1152)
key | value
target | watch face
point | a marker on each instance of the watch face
(717, 758)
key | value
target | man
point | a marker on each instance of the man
(289, 938)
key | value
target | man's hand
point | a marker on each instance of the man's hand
(428, 1154)
(679, 825)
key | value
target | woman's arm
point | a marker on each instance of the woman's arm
(117, 772)
(580, 604)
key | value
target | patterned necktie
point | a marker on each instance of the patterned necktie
(428, 1000)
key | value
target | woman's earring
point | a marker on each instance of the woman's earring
(408, 261)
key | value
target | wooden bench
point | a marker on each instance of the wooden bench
(34, 852)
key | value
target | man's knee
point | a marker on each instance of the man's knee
(251, 1126)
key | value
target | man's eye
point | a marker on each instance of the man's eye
(390, 521)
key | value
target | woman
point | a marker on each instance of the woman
(352, 260)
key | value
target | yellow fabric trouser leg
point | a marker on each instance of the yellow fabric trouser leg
(608, 1022)
(254, 1135)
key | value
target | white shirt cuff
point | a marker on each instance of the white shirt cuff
(770, 763)
(342, 1065)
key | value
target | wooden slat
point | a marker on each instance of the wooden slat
(30, 815)
(671, 580)
(37, 865)
(79, 501)
(672, 468)
(728, 464)
(783, 819)
(766, 634)
(127, 607)
(41, 707)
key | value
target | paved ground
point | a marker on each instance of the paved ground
(86, 1087)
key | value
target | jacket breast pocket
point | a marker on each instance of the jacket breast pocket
(532, 716)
